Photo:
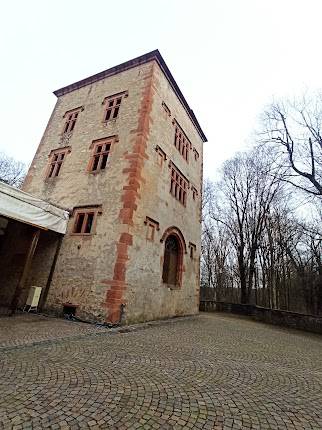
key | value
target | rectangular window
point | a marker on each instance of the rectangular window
(161, 155)
(179, 186)
(101, 150)
(85, 219)
(56, 160)
(194, 193)
(193, 249)
(152, 226)
(181, 142)
(71, 118)
(112, 106)
(100, 156)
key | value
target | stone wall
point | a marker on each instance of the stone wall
(295, 320)
(146, 294)
(86, 264)
(118, 265)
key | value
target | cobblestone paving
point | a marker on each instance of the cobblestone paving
(26, 329)
(208, 372)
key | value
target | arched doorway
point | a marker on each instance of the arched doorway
(171, 261)
(174, 248)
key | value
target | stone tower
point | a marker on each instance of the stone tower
(122, 151)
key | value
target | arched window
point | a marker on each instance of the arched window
(171, 262)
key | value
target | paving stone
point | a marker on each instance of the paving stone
(212, 371)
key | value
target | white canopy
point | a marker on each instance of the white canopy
(25, 208)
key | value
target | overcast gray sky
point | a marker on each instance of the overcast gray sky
(229, 57)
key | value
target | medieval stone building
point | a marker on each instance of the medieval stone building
(123, 153)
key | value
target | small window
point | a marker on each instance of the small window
(194, 193)
(85, 220)
(193, 249)
(181, 142)
(112, 106)
(56, 160)
(112, 110)
(152, 226)
(196, 154)
(161, 156)
(101, 152)
(150, 232)
(71, 118)
(179, 186)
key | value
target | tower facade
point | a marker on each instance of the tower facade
(122, 151)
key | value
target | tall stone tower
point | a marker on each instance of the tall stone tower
(123, 152)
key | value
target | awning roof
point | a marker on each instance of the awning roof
(23, 207)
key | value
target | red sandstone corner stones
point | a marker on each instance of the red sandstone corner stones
(130, 196)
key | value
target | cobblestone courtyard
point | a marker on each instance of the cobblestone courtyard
(213, 371)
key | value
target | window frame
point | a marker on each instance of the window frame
(194, 193)
(59, 151)
(192, 250)
(174, 231)
(181, 141)
(100, 142)
(70, 114)
(176, 186)
(152, 226)
(113, 98)
(161, 156)
(196, 154)
(95, 210)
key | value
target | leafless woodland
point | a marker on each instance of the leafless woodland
(261, 240)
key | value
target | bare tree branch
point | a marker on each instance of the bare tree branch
(12, 172)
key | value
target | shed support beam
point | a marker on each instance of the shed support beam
(51, 274)
(25, 272)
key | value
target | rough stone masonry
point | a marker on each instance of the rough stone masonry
(123, 152)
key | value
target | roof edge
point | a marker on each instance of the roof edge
(143, 59)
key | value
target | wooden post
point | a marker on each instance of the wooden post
(25, 272)
(51, 273)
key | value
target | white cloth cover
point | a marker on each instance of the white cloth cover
(25, 208)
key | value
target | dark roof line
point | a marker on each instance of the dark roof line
(153, 55)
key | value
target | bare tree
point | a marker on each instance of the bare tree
(12, 172)
(294, 128)
(283, 270)
(245, 196)
(258, 248)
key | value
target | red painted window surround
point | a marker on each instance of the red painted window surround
(71, 118)
(152, 226)
(56, 159)
(179, 185)
(85, 219)
(194, 193)
(101, 152)
(161, 155)
(112, 105)
(181, 142)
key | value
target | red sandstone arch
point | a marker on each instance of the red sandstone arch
(173, 233)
